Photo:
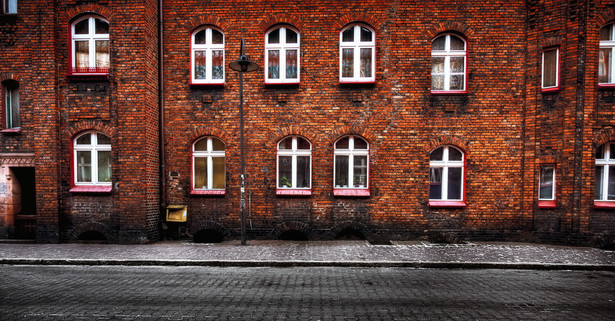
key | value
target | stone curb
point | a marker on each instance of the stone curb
(229, 263)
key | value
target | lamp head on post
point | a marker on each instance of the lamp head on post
(243, 64)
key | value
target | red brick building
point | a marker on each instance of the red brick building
(383, 120)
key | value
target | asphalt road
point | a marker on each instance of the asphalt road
(302, 293)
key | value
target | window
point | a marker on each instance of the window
(294, 166)
(90, 46)
(9, 6)
(351, 170)
(546, 187)
(208, 166)
(282, 56)
(550, 69)
(446, 179)
(604, 188)
(448, 64)
(357, 54)
(207, 56)
(11, 104)
(92, 159)
(605, 57)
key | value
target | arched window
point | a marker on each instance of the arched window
(357, 54)
(207, 56)
(90, 45)
(604, 188)
(92, 159)
(446, 179)
(294, 164)
(448, 63)
(208, 165)
(11, 104)
(605, 58)
(282, 55)
(351, 158)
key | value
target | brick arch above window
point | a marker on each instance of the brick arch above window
(351, 130)
(364, 18)
(552, 41)
(447, 140)
(10, 76)
(77, 128)
(76, 12)
(603, 136)
(195, 23)
(606, 17)
(203, 131)
(281, 19)
(455, 27)
(284, 132)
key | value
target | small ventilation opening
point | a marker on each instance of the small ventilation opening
(208, 236)
(92, 237)
(293, 235)
(349, 234)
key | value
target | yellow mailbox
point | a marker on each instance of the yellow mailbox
(177, 213)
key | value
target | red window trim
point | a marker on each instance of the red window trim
(207, 192)
(447, 203)
(547, 204)
(351, 192)
(91, 189)
(346, 82)
(208, 84)
(9, 131)
(282, 84)
(559, 71)
(604, 204)
(293, 191)
(606, 86)
(449, 92)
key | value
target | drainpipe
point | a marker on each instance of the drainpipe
(161, 133)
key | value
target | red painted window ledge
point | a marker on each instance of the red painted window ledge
(351, 192)
(293, 192)
(207, 192)
(92, 189)
(604, 204)
(547, 204)
(447, 204)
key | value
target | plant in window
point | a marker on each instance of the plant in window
(282, 55)
(448, 63)
(357, 54)
(208, 164)
(207, 56)
(351, 162)
(294, 163)
(90, 45)
(92, 159)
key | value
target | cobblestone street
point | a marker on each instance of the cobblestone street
(301, 293)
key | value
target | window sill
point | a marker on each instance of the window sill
(606, 86)
(94, 189)
(546, 204)
(293, 192)
(210, 192)
(604, 204)
(272, 84)
(350, 83)
(550, 90)
(206, 84)
(87, 76)
(448, 92)
(361, 192)
(447, 204)
(11, 131)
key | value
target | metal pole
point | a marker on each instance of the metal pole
(241, 162)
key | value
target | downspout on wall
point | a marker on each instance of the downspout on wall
(161, 120)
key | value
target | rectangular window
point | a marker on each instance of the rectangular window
(11, 101)
(550, 69)
(546, 189)
(9, 6)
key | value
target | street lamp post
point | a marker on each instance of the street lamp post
(242, 65)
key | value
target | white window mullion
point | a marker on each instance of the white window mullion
(605, 183)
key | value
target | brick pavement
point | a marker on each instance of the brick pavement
(329, 253)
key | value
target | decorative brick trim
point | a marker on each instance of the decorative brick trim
(90, 8)
(603, 136)
(448, 140)
(92, 226)
(17, 159)
(207, 225)
(351, 130)
(605, 17)
(280, 19)
(85, 125)
(551, 41)
(200, 21)
(202, 131)
(10, 76)
(290, 226)
(347, 19)
(448, 26)
(294, 130)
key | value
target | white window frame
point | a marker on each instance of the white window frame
(91, 37)
(445, 164)
(357, 45)
(351, 152)
(209, 154)
(294, 153)
(447, 53)
(556, 86)
(608, 163)
(93, 148)
(610, 45)
(540, 182)
(11, 103)
(282, 47)
(208, 47)
(9, 6)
